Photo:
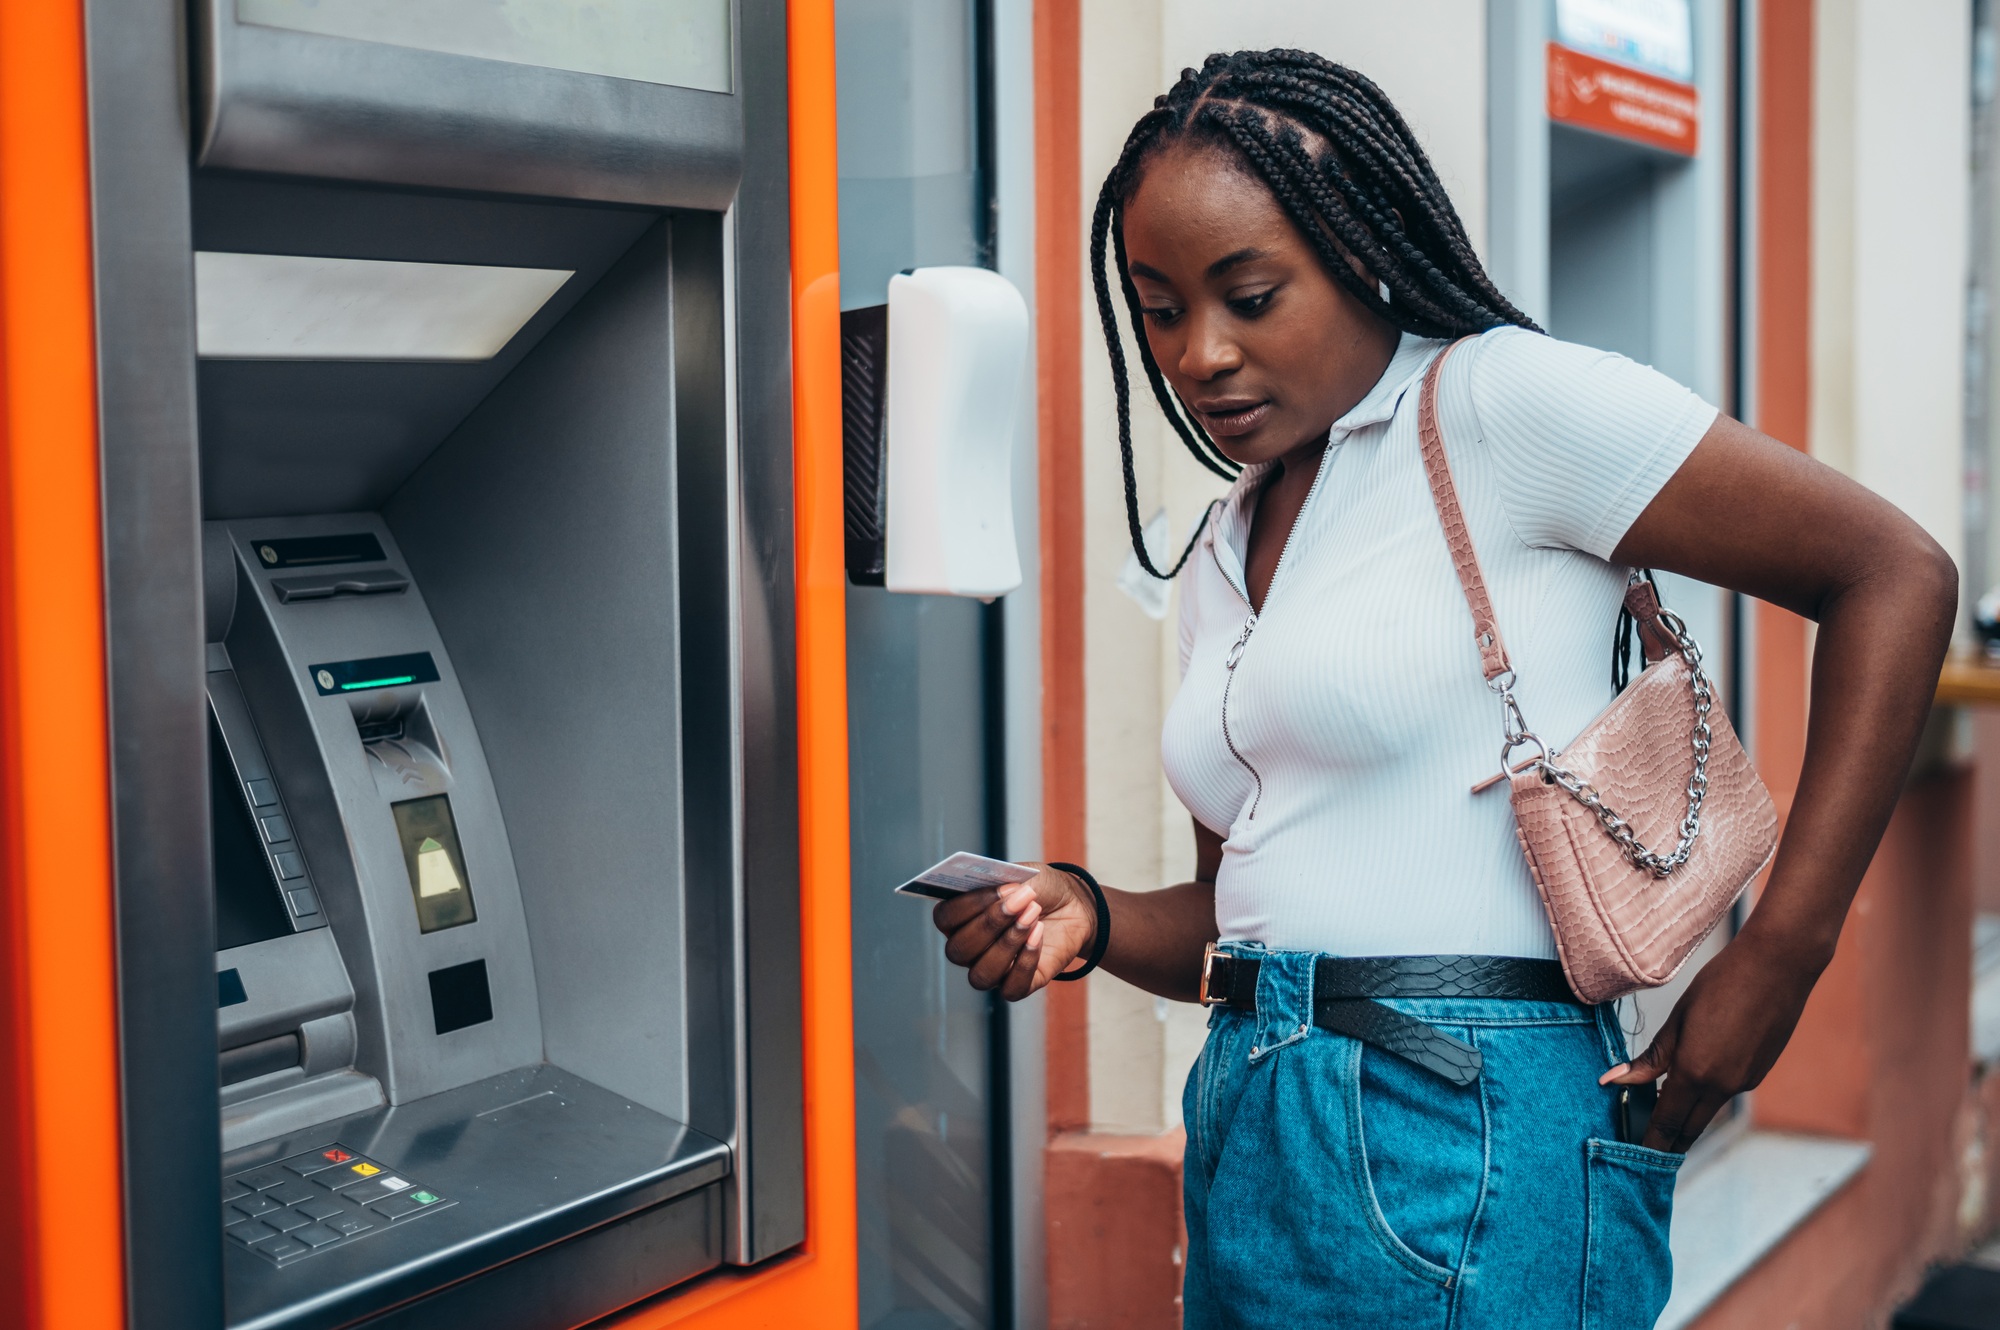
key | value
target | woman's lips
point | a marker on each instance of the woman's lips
(1231, 419)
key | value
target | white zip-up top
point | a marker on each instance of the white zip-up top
(1333, 740)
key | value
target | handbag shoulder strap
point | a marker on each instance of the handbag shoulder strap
(1486, 630)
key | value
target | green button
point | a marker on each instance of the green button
(422, 1197)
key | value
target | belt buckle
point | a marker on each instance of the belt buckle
(1208, 955)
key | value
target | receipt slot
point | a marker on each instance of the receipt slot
(446, 453)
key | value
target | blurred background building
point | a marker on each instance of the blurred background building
(1788, 206)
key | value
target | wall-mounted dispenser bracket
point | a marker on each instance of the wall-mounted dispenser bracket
(931, 389)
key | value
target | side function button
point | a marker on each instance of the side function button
(263, 794)
(276, 829)
(289, 864)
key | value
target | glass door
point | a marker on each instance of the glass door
(923, 726)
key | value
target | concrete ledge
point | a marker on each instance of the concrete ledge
(1733, 1208)
(1116, 1242)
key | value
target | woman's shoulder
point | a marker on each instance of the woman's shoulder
(1512, 363)
(1580, 438)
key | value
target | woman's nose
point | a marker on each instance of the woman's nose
(1209, 350)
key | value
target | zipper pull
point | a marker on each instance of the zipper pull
(1242, 640)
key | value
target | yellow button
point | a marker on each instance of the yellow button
(366, 1170)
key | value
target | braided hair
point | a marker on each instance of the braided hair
(1364, 188)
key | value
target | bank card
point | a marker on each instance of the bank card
(961, 873)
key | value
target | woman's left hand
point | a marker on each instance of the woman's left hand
(1721, 1039)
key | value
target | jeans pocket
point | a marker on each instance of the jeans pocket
(1209, 1099)
(1628, 1270)
(1421, 1151)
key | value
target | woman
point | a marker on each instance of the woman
(1291, 267)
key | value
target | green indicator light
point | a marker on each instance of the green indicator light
(377, 683)
(422, 1197)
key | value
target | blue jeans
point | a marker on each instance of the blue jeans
(1333, 1185)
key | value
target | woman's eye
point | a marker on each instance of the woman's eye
(1252, 305)
(1161, 316)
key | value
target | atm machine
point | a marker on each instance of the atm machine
(444, 391)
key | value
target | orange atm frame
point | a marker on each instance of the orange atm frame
(63, 1238)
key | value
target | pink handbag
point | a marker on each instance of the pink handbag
(1659, 767)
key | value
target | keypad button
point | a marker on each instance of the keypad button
(249, 1207)
(359, 1171)
(316, 1235)
(263, 1179)
(319, 1161)
(376, 1189)
(286, 1220)
(262, 793)
(276, 828)
(232, 1190)
(396, 1206)
(249, 1232)
(282, 1248)
(304, 903)
(289, 864)
(347, 1225)
(291, 1193)
(422, 1197)
(320, 1207)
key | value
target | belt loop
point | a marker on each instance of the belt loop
(1612, 1032)
(1284, 1001)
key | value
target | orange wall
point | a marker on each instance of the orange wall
(60, 1224)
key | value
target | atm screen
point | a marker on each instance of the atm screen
(248, 905)
(435, 862)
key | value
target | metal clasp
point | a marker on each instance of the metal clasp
(1208, 955)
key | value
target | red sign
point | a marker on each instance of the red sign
(1618, 100)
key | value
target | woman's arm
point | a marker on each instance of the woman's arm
(1748, 513)
(1020, 938)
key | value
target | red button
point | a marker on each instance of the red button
(335, 1156)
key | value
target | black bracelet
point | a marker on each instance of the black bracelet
(1103, 921)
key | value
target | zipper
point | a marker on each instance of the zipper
(1235, 655)
(1229, 663)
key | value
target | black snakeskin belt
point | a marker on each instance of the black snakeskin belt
(1345, 989)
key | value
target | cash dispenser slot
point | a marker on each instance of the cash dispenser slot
(366, 582)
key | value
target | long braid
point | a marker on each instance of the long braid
(1121, 384)
(1370, 193)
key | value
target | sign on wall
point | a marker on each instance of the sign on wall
(1626, 68)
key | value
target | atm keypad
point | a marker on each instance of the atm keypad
(317, 1200)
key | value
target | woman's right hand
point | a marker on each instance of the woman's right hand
(1018, 938)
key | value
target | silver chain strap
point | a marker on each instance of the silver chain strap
(1659, 865)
